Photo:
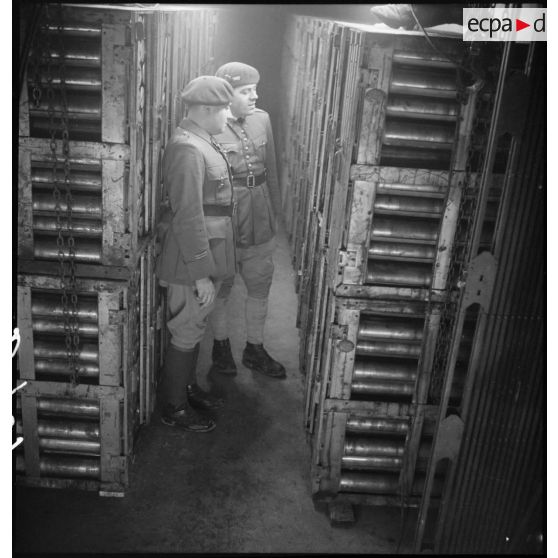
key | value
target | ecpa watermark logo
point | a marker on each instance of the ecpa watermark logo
(504, 24)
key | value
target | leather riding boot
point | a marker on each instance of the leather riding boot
(223, 361)
(176, 411)
(197, 397)
(172, 389)
(256, 358)
(203, 400)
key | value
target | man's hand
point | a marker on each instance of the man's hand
(205, 291)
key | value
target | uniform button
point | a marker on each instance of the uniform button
(246, 148)
(247, 157)
(249, 165)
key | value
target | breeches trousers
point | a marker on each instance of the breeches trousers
(255, 266)
(187, 320)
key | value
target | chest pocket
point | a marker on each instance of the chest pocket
(260, 142)
(233, 152)
(217, 189)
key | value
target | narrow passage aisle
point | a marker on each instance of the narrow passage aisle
(244, 487)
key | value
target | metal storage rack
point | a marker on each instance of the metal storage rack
(99, 100)
(381, 141)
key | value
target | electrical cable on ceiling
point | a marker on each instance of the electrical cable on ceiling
(444, 54)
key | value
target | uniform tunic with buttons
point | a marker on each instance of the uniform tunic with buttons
(248, 144)
(195, 245)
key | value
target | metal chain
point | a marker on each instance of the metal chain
(47, 54)
(69, 296)
(462, 237)
(72, 332)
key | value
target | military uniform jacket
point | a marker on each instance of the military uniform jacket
(195, 175)
(249, 146)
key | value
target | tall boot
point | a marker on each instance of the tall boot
(178, 370)
(221, 355)
(197, 397)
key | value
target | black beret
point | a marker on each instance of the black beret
(208, 90)
(238, 74)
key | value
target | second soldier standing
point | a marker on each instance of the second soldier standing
(248, 143)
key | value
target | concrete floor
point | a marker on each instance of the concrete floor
(243, 488)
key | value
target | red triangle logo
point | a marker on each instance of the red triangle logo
(519, 25)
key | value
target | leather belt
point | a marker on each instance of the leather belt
(250, 181)
(218, 210)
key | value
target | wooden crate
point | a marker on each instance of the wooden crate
(394, 224)
(119, 326)
(397, 234)
(106, 214)
(359, 454)
(410, 102)
(75, 436)
(365, 329)
(98, 53)
(374, 342)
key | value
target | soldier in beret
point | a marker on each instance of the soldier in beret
(248, 143)
(198, 252)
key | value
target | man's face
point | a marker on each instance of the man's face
(244, 100)
(217, 120)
